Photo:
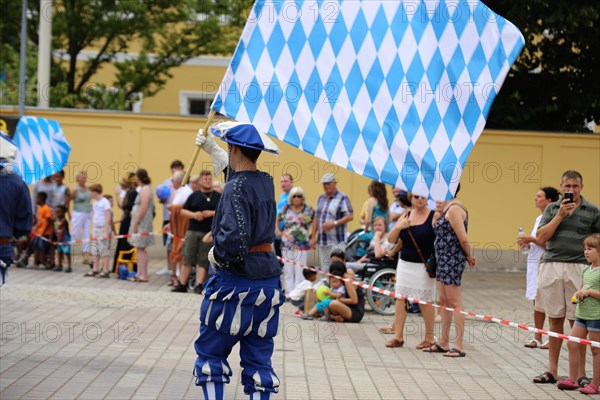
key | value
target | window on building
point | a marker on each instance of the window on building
(195, 103)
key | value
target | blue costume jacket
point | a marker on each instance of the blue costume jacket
(245, 217)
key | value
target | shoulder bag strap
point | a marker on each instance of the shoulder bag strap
(417, 246)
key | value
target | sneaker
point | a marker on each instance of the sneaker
(164, 271)
(299, 313)
(41, 267)
(179, 288)
(57, 268)
(68, 269)
(307, 317)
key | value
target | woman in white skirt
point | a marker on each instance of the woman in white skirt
(415, 230)
(543, 197)
(81, 218)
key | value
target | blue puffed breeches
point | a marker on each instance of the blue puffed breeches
(237, 309)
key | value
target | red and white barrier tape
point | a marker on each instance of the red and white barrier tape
(81, 241)
(471, 314)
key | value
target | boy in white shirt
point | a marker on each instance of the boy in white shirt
(101, 211)
(297, 295)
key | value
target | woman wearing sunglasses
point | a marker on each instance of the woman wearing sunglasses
(297, 217)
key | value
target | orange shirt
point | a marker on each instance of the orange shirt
(43, 215)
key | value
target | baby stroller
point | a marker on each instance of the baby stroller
(380, 273)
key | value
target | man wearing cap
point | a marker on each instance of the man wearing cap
(15, 219)
(334, 211)
(241, 301)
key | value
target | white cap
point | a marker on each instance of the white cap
(328, 177)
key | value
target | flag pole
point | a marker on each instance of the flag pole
(211, 115)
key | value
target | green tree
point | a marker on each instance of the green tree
(554, 84)
(89, 34)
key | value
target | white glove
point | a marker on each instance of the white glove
(200, 138)
(217, 154)
(211, 257)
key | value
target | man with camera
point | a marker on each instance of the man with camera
(564, 225)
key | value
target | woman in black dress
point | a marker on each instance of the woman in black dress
(128, 185)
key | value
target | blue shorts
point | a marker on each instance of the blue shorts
(64, 248)
(322, 305)
(592, 325)
(39, 244)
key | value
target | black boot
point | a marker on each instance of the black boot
(179, 288)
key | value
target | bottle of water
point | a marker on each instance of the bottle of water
(524, 250)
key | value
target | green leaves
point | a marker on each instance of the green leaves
(554, 84)
(143, 39)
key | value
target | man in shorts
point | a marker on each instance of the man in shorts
(199, 208)
(564, 225)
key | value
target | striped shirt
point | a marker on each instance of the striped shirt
(566, 245)
(331, 209)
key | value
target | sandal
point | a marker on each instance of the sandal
(388, 330)
(567, 384)
(424, 344)
(545, 345)
(91, 274)
(534, 344)
(583, 381)
(590, 389)
(103, 275)
(174, 281)
(455, 353)
(435, 348)
(394, 343)
(546, 377)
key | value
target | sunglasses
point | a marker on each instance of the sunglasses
(418, 197)
(297, 196)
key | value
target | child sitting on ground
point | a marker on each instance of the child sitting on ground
(297, 295)
(61, 230)
(587, 321)
(337, 291)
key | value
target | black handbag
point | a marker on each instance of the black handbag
(431, 267)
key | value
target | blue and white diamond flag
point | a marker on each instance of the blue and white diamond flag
(43, 148)
(397, 91)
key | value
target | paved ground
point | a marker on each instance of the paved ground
(64, 336)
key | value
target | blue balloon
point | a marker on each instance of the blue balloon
(163, 192)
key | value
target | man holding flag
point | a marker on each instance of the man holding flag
(241, 301)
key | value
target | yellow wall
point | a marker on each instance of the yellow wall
(499, 182)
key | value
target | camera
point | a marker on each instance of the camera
(568, 197)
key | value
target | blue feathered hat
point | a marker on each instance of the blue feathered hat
(244, 135)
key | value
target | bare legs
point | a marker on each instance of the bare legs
(142, 257)
(450, 296)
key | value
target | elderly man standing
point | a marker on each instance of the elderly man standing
(564, 225)
(329, 228)
(15, 219)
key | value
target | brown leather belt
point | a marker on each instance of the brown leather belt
(260, 248)
(4, 240)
